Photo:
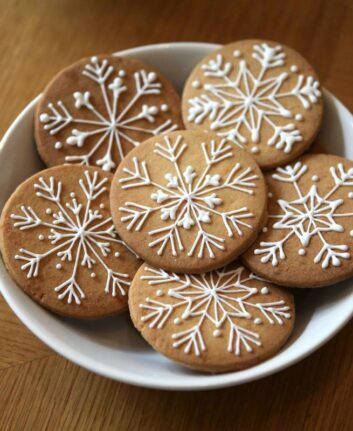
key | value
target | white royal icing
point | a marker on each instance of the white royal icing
(188, 200)
(238, 105)
(222, 298)
(110, 128)
(307, 216)
(78, 235)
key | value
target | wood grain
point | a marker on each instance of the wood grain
(42, 391)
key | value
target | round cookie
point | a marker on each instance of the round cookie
(188, 201)
(309, 238)
(219, 321)
(98, 109)
(260, 95)
(59, 243)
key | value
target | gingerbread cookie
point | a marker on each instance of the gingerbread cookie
(188, 201)
(59, 244)
(99, 108)
(223, 320)
(259, 95)
(309, 238)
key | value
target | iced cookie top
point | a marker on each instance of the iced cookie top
(188, 201)
(309, 236)
(59, 243)
(98, 109)
(223, 320)
(259, 95)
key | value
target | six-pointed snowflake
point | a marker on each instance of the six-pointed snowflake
(239, 106)
(308, 216)
(77, 235)
(189, 199)
(223, 298)
(111, 128)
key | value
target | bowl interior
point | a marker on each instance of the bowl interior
(111, 346)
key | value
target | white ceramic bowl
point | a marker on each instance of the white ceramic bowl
(111, 347)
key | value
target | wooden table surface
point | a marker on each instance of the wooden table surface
(40, 390)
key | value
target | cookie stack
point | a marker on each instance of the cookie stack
(189, 213)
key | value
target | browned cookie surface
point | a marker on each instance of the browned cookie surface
(96, 110)
(309, 237)
(59, 243)
(260, 95)
(188, 201)
(219, 321)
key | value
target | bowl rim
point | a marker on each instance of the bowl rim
(193, 382)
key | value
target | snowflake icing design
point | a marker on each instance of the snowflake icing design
(189, 200)
(246, 102)
(78, 235)
(112, 127)
(223, 298)
(308, 216)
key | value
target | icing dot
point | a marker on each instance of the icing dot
(151, 76)
(351, 233)
(350, 195)
(159, 293)
(72, 195)
(294, 68)
(58, 266)
(94, 59)
(270, 195)
(255, 150)
(101, 206)
(264, 229)
(315, 178)
(264, 290)
(48, 211)
(298, 117)
(93, 274)
(217, 333)
(116, 254)
(258, 321)
(122, 73)
(40, 237)
(44, 118)
(237, 53)
(153, 110)
(302, 252)
(196, 84)
(58, 145)
(177, 321)
(164, 107)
